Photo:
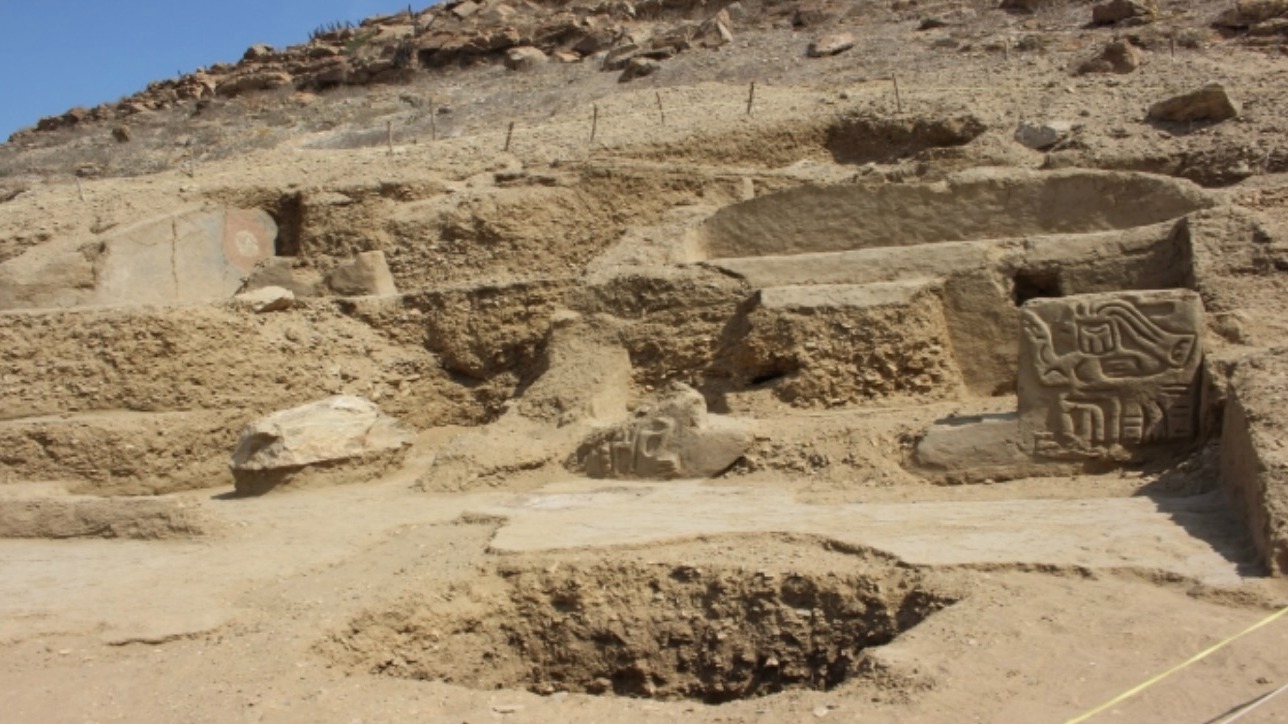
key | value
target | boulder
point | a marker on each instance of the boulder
(524, 57)
(1247, 13)
(367, 274)
(345, 434)
(1127, 12)
(620, 56)
(259, 51)
(266, 299)
(1118, 56)
(715, 32)
(831, 45)
(1040, 136)
(638, 68)
(674, 438)
(465, 10)
(1209, 103)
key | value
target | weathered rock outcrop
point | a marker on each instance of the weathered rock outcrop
(393, 48)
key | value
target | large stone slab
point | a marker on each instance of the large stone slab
(198, 256)
(1103, 375)
(191, 256)
(345, 435)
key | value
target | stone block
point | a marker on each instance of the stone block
(367, 274)
(1039, 136)
(191, 256)
(1104, 375)
(834, 345)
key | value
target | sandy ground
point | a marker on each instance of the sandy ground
(1093, 593)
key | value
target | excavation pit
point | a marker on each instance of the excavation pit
(710, 632)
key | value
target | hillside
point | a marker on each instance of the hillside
(656, 361)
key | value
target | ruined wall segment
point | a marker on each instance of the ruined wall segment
(1254, 460)
(196, 255)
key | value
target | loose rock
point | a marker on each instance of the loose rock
(524, 58)
(831, 45)
(1118, 56)
(1039, 136)
(266, 299)
(1247, 13)
(275, 449)
(638, 68)
(1209, 103)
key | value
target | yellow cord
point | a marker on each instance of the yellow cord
(1201, 655)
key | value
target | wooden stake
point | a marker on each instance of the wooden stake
(751, 97)
(898, 103)
(661, 111)
(1006, 49)
(508, 134)
(80, 190)
(389, 136)
(594, 124)
(433, 124)
(1171, 45)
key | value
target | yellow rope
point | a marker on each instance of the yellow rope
(1201, 655)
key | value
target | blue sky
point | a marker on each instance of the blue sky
(62, 53)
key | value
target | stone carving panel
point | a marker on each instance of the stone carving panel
(1101, 375)
(672, 439)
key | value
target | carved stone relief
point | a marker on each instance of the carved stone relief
(673, 438)
(1103, 374)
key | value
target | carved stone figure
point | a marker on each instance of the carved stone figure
(1103, 374)
(674, 438)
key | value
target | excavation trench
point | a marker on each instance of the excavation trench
(712, 633)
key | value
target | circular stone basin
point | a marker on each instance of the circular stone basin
(983, 203)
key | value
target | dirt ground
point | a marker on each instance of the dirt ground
(558, 286)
